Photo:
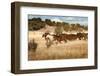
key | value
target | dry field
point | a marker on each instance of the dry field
(71, 49)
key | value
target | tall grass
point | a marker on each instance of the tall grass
(70, 50)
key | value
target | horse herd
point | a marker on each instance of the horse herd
(51, 38)
(65, 37)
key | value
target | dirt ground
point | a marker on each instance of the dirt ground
(71, 49)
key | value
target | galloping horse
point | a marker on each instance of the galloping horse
(82, 36)
(48, 40)
(45, 35)
(59, 38)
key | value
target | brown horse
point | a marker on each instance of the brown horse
(82, 36)
(59, 38)
(45, 35)
(48, 40)
(71, 37)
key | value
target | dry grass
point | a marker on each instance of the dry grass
(69, 50)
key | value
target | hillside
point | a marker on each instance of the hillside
(37, 24)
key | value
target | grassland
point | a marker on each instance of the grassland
(71, 49)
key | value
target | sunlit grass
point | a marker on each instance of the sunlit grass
(70, 50)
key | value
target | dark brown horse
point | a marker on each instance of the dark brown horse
(59, 38)
(47, 39)
(45, 35)
(71, 37)
(82, 36)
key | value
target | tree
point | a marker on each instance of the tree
(78, 25)
(36, 19)
(59, 29)
(35, 24)
(66, 26)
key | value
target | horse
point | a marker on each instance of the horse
(59, 38)
(71, 37)
(48, 39)
(45, 35)
(82, 36)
